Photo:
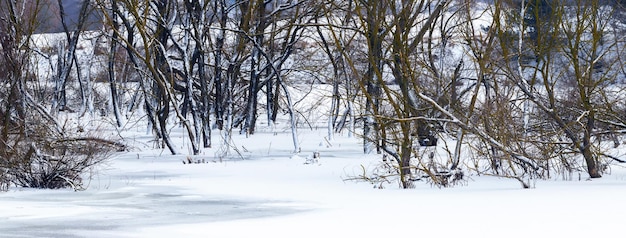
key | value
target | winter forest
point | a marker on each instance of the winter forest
(519, 89)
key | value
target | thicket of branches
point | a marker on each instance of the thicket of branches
(525, 89)
(35, 149)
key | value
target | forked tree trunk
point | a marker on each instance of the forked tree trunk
(64, 66)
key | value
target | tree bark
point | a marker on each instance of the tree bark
(111, 66)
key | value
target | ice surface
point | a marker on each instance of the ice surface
(274, 194)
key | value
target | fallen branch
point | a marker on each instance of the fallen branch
(120, 146)
(613, 158)
(525, 184)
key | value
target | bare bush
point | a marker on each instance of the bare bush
(424, 168)
(35, 151)
(38, 156)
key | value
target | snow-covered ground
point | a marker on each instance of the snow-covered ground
(268, 192)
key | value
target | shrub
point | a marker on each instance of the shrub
(41, 156)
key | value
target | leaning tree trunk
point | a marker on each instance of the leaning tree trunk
(292, 119)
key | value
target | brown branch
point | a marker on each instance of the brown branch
(120, 146)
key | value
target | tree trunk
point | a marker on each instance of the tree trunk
(159, 86)
(205, 96)
(258, 37)
(269, 107)
(220, 98)
(405, 164)
(375, 13)
(65, 63)
(112, 79)
(292, 120)
(252, 102)
(276, 101)
(590, 158)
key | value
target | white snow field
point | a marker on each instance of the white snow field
(268, 192)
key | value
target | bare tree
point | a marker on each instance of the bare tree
(198, 21)
(65, 63)
(35, 151)
(152, 23)
(566, 75)
(387, 27)
(115, 101)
